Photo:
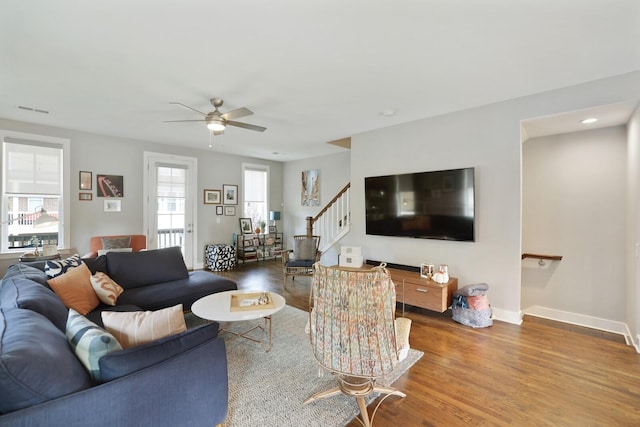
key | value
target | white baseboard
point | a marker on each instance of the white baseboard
(586, 321)
(514, 317)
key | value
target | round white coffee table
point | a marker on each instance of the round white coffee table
(217, 307)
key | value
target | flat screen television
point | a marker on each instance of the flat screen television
(425, 205)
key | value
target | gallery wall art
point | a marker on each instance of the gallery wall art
(311, 187)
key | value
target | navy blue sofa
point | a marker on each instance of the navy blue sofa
(177, 380)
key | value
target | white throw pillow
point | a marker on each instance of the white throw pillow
(140, 327)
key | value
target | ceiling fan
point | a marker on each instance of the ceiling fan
(217, 121)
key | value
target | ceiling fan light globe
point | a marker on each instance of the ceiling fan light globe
(215, 125)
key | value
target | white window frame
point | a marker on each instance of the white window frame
(258, 167)
(64, 216)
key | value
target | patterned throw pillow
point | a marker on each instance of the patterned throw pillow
(107, 290)
(116, 242)
(90, 342)
(74, 289)
(56, 268)
(140, 327)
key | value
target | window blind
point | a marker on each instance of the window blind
(32, 168)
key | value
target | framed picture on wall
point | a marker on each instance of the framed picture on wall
(219, 210)
(109, 185)
(230, 194)
(229, 210)
(211, 197)
(85, 180)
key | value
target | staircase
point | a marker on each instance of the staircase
(334, 220)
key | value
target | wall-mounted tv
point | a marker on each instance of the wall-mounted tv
(426, 205)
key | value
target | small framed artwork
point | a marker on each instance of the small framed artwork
(85, 196)
(273, 229)
(256, 241)
(245, 226)
(230, 194)
(219, 210)
(111, 205)
(230, 210)
(85, 181)
(110, 185)
(212, 197)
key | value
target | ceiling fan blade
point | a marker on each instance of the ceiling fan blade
(235, 114)
(186, 106)
(195, 120)
(246, 126)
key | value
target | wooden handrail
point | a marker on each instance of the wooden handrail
(537, 256)
(311, 220)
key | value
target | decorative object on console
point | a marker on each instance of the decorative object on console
(245, 225)
(426, 270)
(442, 276)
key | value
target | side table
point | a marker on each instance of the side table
(219, 257)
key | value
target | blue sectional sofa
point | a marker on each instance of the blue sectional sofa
(177, 380)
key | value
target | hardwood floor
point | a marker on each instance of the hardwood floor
(541, 373)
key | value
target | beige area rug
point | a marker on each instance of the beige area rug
(267, 389)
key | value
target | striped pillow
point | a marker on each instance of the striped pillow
(107, 290)
(90, 342)
(140, 327)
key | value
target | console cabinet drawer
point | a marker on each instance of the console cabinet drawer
(420, 292)
(421, 296)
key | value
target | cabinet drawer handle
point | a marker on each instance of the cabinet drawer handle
(422, 290)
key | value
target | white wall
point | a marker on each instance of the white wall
(633, 235)
(487, 138)
(334, 175)
(574, 192)
(103, 154)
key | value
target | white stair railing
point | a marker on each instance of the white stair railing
(334, 221)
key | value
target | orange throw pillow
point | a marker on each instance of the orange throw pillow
(74, 289)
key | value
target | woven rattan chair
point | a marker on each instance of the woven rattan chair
(352, 331)
(300, 260)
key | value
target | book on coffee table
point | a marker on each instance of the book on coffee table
(251, 301)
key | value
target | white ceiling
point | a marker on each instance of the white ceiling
(311, 71)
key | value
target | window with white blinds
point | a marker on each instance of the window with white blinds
(255, 193)
(32, 168)
(33, 179)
